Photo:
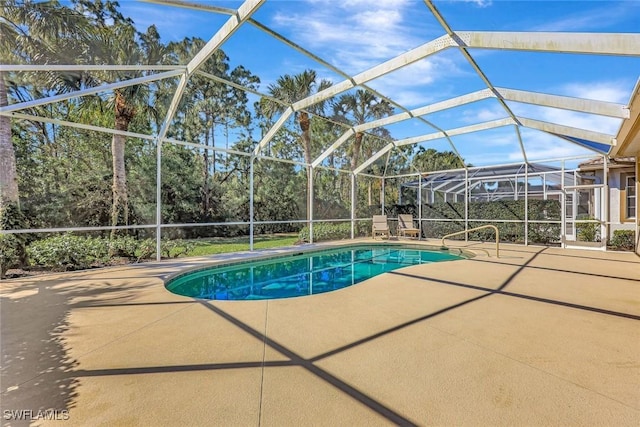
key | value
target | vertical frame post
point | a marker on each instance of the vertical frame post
(158, 199)
(526, 204)
(563, 210)
(466, 204)
(251, 195)
(353, 205)
(604, 229)
(420, 206)
(382, 195)
(310, 201)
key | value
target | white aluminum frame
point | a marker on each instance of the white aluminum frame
(465, 41)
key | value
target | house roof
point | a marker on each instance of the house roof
(628, 138)
(615, 163)
(490, 173)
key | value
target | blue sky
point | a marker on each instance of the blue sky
(355, 35)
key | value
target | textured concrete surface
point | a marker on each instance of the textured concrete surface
(541, 336)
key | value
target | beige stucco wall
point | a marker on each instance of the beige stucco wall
(615, 217)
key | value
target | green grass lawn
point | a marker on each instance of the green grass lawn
(220, 245)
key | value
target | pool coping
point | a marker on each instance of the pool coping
(294, 251)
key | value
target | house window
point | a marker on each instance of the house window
(630, 195)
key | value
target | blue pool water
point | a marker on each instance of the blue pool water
(302, 274)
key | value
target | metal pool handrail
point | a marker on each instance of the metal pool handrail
(474, 229)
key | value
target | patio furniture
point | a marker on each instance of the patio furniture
(405, 226)
(380, 226)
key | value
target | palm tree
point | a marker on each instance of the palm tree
(290, 89)
(116, 41)
(358, 108)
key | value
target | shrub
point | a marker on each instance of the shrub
(68, 252)
(169, 248)
(622, 240)
(544, 233)
(146, 249)
(175, 248)
(123, 246)
(323, 231)
(588, 231)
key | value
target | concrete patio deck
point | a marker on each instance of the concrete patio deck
(541, 336)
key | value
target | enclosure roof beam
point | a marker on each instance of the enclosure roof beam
(563, 102)
(556, 129)
(446, 184)
(470, 188)
(432, 108)
(566, 103)
(345, 136)
(457, 131)
(384, 121)
(93, 128)
(454, 102)
(450, 188)
(273, 130)
(373, 158)
(421, 138)
(90, 91)
(519, 135)
(481, 126)
(380, 70)
(621, 44)
(232, 25)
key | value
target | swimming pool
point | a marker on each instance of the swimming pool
(294, 275)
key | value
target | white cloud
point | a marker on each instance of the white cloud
(485, 114)
(540, 145)
(356, 34)
(504, 139)
(600, 91)
(480, 3)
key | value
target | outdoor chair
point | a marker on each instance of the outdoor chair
(380, 226)
(405, 226)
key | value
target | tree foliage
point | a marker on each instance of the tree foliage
(72, 177)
